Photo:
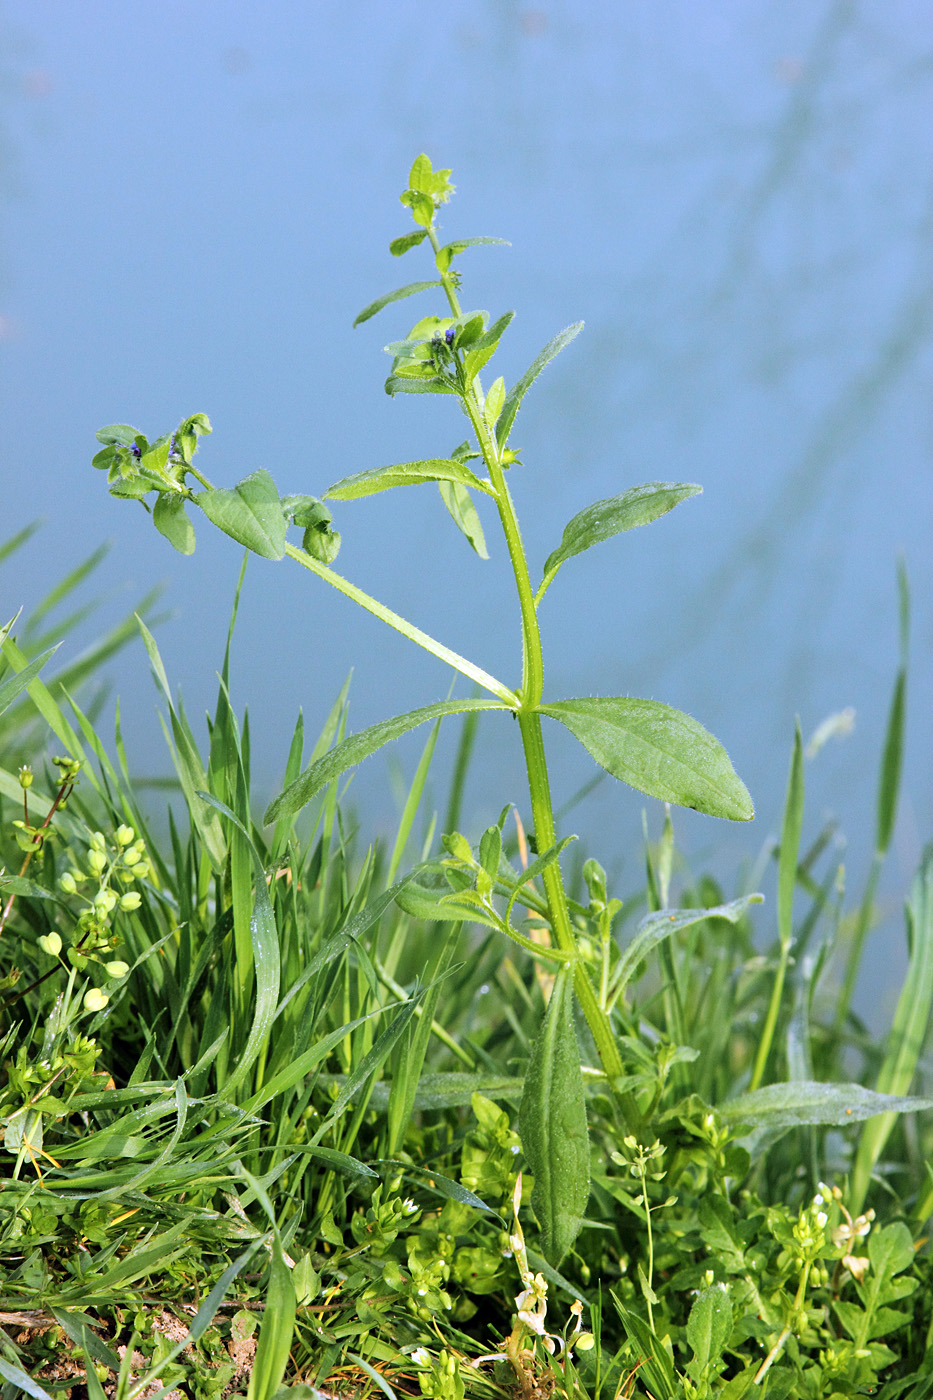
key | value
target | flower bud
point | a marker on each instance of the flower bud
(96, 860)
(130, 901)
(66, 882)
(117, 968)
(124, 835)
(51, 943)
(95, 999)
(25, 777)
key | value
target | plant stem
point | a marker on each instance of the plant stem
(529, 719)
(407, 629)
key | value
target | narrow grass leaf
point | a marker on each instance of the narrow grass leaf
(275, 1330)
(376, 306)
(368, 1066)
(12, 688)
(202, 1318)
(552, 1125)
(266, 959)
(909, 1031)
(600, 521)
(353, 488)
(891, 762)
(15, 1375)
(656, 1366)
(78, 1327)
(356, 747)
(657, 750)
(250, 513)
(513, 398)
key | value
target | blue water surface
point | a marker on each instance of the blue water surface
(198, 197)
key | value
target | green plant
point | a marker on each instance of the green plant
(656, 749)
(262, 1087)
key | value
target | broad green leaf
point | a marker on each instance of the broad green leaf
(117, 435)
(600, 521)
(517, 392)
(400, 292)
(552, 1125)
(356, 747)
(654, 928)
(464, 514)
(657, 750)
(12, 688)
(708, 1328)
(251, 513)
(169, 518)
(398, 246)
(351, 488)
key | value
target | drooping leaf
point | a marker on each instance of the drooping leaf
(367, 483)
(657, 750)
(654, 928)
(356, 747)
(170, 519)
(400, 292)
(600, 521)
(251, 513)
(518, 390)
(771, 1111)
(464, 514)
(398, 246)
(13, 686)
(552, 1125)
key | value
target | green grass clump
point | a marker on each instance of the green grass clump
(287, 1116)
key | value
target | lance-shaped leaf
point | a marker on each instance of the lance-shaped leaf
(399, 293)
(356, 747)
(603, 519)
(368, 483)
(518, 390)
(654, 928)
(250, 513)
(484, 347)
(657, 750)
(771, 1111)
(552, 1125)
(464, 514)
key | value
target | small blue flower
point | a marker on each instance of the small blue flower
(449, 335)
(136, 450)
